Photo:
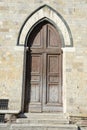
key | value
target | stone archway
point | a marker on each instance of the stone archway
(44, 13)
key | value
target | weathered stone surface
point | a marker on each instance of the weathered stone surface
(43, 118)
(40, 127)
(43, 127)
(83, 127)
(12, 15)
(4, 127)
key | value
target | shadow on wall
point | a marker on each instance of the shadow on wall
(79, 128)
(28, 83)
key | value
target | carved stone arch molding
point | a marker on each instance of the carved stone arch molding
(45, 12)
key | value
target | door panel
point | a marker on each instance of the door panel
(52, 64)
(52, 74)
(36, 64)
(35, 93)
(52, 93)
(52, 37)
(36, 38)
(36, 83)
(53, 83)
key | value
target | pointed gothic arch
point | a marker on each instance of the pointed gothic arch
(46, 12)
(43, 20)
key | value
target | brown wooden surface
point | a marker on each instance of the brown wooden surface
(43, 90)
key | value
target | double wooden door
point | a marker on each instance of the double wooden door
(43, 88)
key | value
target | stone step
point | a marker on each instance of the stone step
(43, 121)
(4, 126)
(42, 127)
(43, 118)
(45, 115)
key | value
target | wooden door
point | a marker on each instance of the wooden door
(44, 70)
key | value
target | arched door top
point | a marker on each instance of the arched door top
(49, 29)
(45, 12)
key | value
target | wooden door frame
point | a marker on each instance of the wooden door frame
(24, 64)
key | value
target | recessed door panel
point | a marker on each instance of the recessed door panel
(53, 89)
(36, 68)
(36, 38)
(53, 64)
(53, 37)
(53, 78)
(35, 83)
(35, 92)
(52, 93)
(36, 64)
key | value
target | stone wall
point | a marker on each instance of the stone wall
(12, 15)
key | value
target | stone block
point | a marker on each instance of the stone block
(43, 127)
(83, 127)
